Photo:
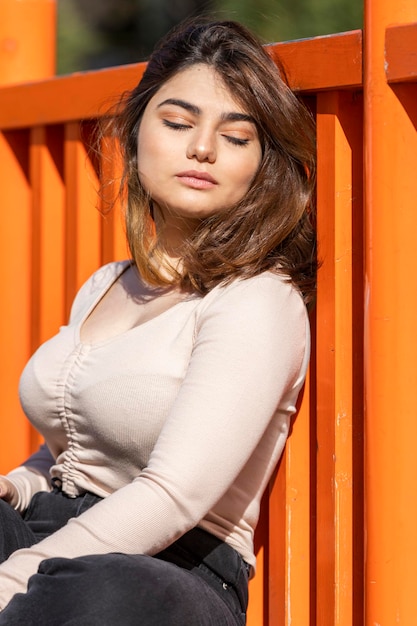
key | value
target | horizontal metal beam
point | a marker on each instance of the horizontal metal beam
(331, 62)
(401, 53)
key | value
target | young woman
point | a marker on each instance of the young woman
(166, 401)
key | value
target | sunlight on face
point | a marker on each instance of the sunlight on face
(198, 150)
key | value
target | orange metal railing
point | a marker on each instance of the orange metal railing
(390, 92)
(336, 543)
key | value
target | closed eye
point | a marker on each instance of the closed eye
(236, 141)
(175, 125)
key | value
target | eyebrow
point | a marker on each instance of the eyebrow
(195, 110)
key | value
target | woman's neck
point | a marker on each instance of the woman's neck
(173, 231)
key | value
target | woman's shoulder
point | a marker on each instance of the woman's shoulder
(259, 300)
(270, 289)
(265, 316)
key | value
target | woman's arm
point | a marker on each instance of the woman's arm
(248, 355)
(33, 475)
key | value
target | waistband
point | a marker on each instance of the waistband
(201, 552)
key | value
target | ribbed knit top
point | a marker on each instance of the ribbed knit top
(178, 422)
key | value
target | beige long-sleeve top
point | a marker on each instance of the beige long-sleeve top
(177, 422)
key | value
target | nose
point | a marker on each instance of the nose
(202, 146)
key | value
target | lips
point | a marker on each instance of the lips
(196, 179)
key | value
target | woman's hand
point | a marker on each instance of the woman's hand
(8, 491)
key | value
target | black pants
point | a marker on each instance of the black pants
(197, 581)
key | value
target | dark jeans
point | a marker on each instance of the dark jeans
(197, 581)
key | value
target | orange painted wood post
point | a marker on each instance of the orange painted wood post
(83, 220)
(288, 575)
(27, 51)
(48, 232)
(339, 355)
(15, 255)
(390, 328)
(27, 40)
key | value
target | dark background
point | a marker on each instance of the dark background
(99, 33)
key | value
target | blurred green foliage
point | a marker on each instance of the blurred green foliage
(101, 33)
(282, 20)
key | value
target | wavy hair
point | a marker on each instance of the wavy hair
(271, 228)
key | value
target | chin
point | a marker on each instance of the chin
(195, 214)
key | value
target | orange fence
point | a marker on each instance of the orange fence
(337, 542)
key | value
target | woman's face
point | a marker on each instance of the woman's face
(198, 149)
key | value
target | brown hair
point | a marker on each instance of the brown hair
(271, 227)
